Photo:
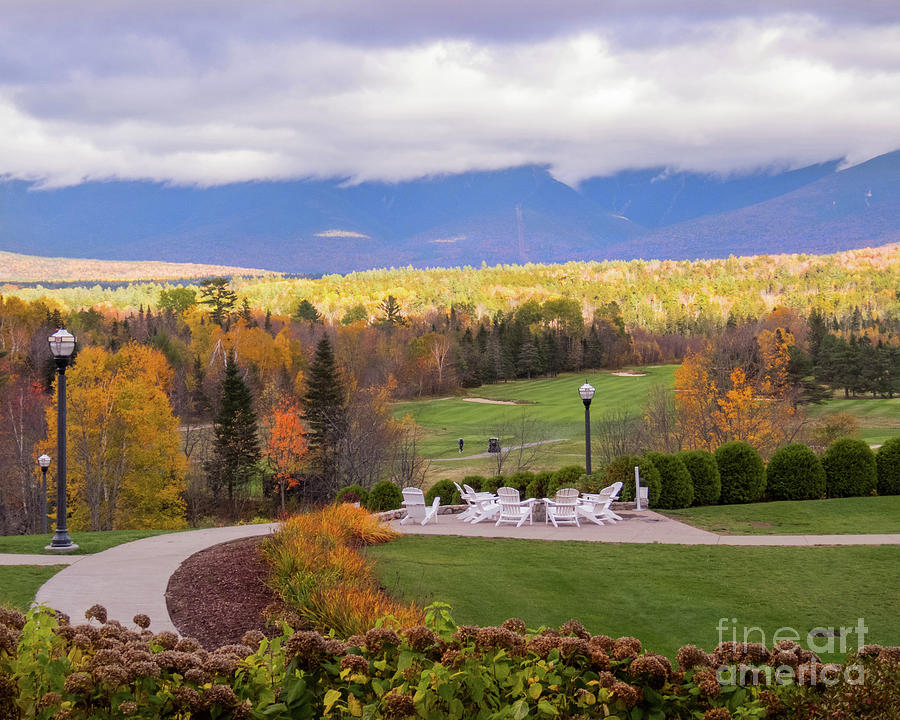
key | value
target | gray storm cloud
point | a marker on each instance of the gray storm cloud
(219, 92)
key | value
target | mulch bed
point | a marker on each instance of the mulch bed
(218, 594)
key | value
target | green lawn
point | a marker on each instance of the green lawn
(803, 517)
(552, 403)
(88, 542)
(879, 418)
(666, 595)
(19, 583)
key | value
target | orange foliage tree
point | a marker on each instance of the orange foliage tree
(286, 448)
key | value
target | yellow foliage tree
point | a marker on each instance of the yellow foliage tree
(125, 468)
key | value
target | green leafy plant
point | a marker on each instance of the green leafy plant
(704, 475)
(621, 469)
(795, 473)
(850, 469)
(446, 490)
(742, 472)
(677, 490)
(384, 496)
(353, 493)
(887, 461)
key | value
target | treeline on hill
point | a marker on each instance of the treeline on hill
(223, 399)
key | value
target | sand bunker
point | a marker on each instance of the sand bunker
(491, 402)
(629, 374)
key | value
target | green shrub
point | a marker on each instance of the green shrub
(494, 482)
(704, 475)
(742, 472)
(795, 473)
(594, 482)
(520, 481)
(353, 493)
(564, 477)
(537, 488)
(677, 489)
(850, 469)
(887, 460)
(446, 490)
(384, 496)
(622, 470)
(476, 482)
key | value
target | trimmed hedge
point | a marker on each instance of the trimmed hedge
(622, 470)
(887, 461)
(677, 489)
(566, 477)
(446, 490)
(537, 488)
(361, 494)
(850, 469)
(742, 472)
(384, 496)
(476, 482)
(704, 475)
(520, 481)
(795, 473)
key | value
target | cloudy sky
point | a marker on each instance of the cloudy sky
(212, 92)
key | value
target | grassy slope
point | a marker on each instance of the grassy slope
(19, 583)
(87, 542)
(804, 517)
(31, 268)
(665, 595)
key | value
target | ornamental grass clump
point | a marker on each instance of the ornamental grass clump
(322, 579)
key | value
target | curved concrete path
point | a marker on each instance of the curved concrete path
(636, 527)
(132, 578)
(16, 559)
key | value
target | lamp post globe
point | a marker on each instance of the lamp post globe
(44, 464)
(586, 392)
(62, 345)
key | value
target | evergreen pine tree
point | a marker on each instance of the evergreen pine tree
(325, 409)
(236, 441)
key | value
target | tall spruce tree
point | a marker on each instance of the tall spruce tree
(237, 443)
(325, 408)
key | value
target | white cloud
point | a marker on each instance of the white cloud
(190, 99)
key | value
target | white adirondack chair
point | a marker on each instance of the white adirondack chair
(416, 509)
(596, 506)
(513, 510)
(482, 505)
(562, 509)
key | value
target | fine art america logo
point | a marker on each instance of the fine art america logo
(819, 640)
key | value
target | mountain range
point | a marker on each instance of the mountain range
(507, 216)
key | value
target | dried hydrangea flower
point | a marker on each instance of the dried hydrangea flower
(252, 638)
(690, 656)
(9, 640)
(379, 638)
(599, 660)
(466, 634)
(452, 658)
(628, 642)
(601, 642)
(221, 664)
(571, 647)
(144, 668)
(187, 698)
(96, 612)
(166, 640)
(356, 663)
(706, 680)
(541, 645)
(517, 625)
(221, 695)
(141, 620)
(12, 618)
(650, 670)
(196, 676)
(575, 629)
(242, 711)
(606, 679)
(107, 657)
(784, 657)
(128, 707)
(869, 651)
(112, 675)
(188, 644)
(238, 650)
(489, 638)
(134, 655)
(79, 683)
(398, 706)
(419, 637)
(49, 699)
(717, 714)
(306, 647)
(628, 694)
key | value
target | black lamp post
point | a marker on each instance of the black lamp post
(44, 462)
(62, 345)
(587, 393)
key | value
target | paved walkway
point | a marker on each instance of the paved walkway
(132, 578)
(635, 527)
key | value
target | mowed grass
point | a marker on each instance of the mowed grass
(19, 583)
(666, 595)
(88, 542)
(803, 517)
(879, 418)
(552, 403)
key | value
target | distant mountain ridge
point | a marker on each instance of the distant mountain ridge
(508, 216)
